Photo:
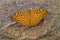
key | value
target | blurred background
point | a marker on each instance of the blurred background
(50, 26)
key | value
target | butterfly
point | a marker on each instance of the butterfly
(29, 17)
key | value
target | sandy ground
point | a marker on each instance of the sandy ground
(49, 29)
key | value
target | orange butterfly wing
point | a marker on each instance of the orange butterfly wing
(37, 15)
(29, 17)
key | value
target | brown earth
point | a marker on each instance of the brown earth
(48, 29)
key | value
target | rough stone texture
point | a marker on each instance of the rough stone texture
(48, 29)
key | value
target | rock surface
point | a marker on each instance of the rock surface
(48, 29)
